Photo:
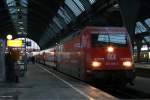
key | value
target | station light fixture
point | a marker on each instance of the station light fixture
(21, 28)
(20, 22)
(9, 37)
(18, 9)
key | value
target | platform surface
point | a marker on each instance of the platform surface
(42, 84)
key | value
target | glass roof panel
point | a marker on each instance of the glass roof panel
(86, 4)
(69, 12)
(56, 27)
(64, 15)
(57, 22)
(17, 12)
(11, 6)
(12, 10)
(79, 5)
(92, 1)
(137, 31)
(11, 2)
(53, 28)
(147, 38)
(147, 21)
(61, 20)
(51, 32)
(24, 3)
(140, 28)
(73, 7)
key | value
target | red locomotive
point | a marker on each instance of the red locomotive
(103, 53)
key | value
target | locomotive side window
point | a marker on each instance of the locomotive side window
(118, 39)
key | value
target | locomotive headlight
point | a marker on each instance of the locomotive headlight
(96, 64)
(110, 49)
(127, 63)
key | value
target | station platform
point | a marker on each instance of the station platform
(142, 69)
(143, 65)
(40, 83)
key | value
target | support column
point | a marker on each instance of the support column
(129, 11)
(2, 61)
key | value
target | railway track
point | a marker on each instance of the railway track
(125, 93)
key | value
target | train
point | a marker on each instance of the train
(94, 53)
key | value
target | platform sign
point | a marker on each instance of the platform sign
(14, 43)
(2, 61)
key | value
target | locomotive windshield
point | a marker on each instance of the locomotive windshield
(117, 39)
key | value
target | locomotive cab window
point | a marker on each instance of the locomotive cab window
(116, 39)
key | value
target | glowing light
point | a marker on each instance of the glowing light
(21, 28)
(20, 22)
(127, 63)
(96, 64)
(9, 37)
(110, 49)
(14, 43)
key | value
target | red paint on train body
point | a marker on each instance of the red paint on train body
(96, 52)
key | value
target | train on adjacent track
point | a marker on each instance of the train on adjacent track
(101, 53)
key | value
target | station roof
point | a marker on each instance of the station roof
(48, 21)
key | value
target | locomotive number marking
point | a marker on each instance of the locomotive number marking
(111, 56)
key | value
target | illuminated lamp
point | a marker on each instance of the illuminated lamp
(96, 64)
(110, 49)
(9, 37)
(14, 43)
(127, 64)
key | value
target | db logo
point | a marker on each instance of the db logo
(111, 56)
